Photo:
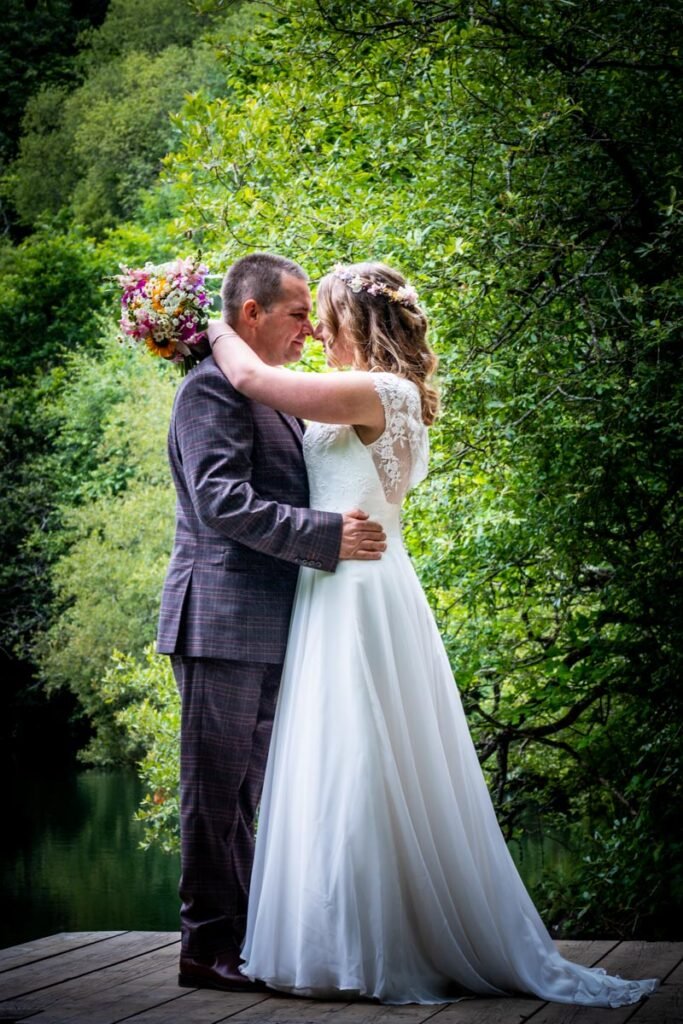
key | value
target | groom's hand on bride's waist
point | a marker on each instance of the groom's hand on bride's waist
(361, 537)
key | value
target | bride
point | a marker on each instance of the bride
(380, 869)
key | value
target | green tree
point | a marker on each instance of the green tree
(148, 28)
(57, 291)
(96, 149)
(145, 696)
(521, 164)
(94, 132)
(52, 288)
(36, 46)
(92, 139)
(115, 530)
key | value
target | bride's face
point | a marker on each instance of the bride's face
(339, 349)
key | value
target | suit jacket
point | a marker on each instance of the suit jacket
(243, 527)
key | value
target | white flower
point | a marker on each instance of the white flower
(407, 294)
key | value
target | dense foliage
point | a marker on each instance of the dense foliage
(39, 41)
(60, 370)
(520, 162)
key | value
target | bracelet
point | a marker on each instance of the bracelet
(223, 335)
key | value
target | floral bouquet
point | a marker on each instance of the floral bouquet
(166, 308)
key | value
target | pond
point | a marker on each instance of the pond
(71, 859)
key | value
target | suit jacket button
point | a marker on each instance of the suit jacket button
(318, 564)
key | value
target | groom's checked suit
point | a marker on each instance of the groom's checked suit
(243, 528)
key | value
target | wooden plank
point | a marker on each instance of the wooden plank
(51, 945)
(486, 1010)
(664, 1007)
(145, 988)
(586, 952)
(75, 963)
(112, 993)
(12, 1013)
(282, 1009)
(643, 959)
(199, 1006)
(675, 977)
(475, 1010)
(517, 1009)
(629, 960)
(514, 1009)
(134, 975)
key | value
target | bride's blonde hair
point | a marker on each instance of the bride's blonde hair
(379, 313)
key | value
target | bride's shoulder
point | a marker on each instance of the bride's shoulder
(394, 380)
(395, 388)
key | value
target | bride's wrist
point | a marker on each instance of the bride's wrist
(223, 334)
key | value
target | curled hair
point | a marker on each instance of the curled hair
(256, 276)
(386, 335)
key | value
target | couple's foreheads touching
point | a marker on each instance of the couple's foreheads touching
(368, 317)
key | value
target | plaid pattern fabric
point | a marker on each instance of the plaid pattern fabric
(227, 719)
(242, 524)
(243, 528)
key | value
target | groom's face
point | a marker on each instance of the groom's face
(283, 328)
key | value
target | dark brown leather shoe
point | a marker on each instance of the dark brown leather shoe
(222, 973)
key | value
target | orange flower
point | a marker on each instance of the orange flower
(158, 294)
(164, 347)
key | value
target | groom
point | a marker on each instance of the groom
(243, 528)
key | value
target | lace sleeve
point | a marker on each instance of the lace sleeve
(401, 453)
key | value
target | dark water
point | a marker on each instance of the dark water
(71, 860)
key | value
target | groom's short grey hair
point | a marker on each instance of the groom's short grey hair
(257, 276)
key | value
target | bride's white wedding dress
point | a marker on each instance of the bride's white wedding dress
(380, 868)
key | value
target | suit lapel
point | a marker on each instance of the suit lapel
(295, 425)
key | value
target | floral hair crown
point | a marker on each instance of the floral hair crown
(405, 295)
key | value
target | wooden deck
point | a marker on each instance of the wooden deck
(109, 977)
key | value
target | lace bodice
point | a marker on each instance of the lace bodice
(344, 473)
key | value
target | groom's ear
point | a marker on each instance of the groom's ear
(251, 311)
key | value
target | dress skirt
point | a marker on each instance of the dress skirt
(380, 868)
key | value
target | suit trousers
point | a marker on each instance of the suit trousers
(227, 719)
